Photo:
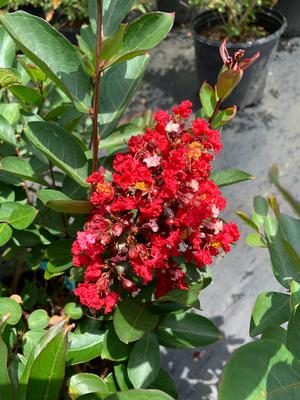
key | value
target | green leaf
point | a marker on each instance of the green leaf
(26, 94)
(7, 49)
(5, 233)
(261, 370)
(20, 168)
(6, 392)
(84, 383)
(119, 138)
(188, 298)
(275, 333)
(144, 362)
(121, 376)
(139, 395)
(118, 85)
(255, 240)
(9, 76)
(261, 205)
(270, 226)
(11, 112)
(285, 261)
(112, 348)
(12, 308)
(44, 372)
(48, 370)
(30, 340)
(38, 320)
(223, 117)
(274, 176)
(22, 216)
(84, 347)
(60, 255)
(114, 12)
(295, 293)
(145, 32)
(58, 59)
(270, 309)
(73, 310)
(164, 382)
(132, 321)
(229, 177)
(7, 133)
(60, 147)
(290, 230)
(208, 99)
(293, 333)
(187, 330)
(245, 217)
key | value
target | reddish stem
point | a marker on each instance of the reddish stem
(217, 106)
(98, 72)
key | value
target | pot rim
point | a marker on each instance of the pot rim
(266, 11)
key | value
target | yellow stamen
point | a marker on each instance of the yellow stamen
(141, 186)
(102, 187)
(195, 149)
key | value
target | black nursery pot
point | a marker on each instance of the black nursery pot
(208, 61)
(183, 14)
(291, 10)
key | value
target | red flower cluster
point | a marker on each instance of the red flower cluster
(159, 206)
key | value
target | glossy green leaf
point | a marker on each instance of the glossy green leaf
(11, 112)
(118, 85)
(51, 52)
(119, 138)
(270, 226)
(270, 309)
(44, 372)
(114, 12)
(255, 240)
(60, 147)
(5, 233)
(30, 340)
(59, 255)
(22, 216)
(20, 168)
(7, 133)
(84, 347)
(26, 94)
(293, 333)
(112, 348)
(12, 308)
(145, 32)
(7, 49)
(8, 77)
(290, 230)
(261, 370)
(132, 321)
(73, 310)
(224, 116)
(140, 395)
(187, 298)
(207, 98)
(6, 392)
(187, 330)
(295, 293)
(38, 320)
(121, 377)
(84, 383)
(229, 177)
(144, 362)
(164, 382)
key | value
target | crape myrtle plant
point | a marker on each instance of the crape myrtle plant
(270, 366)
(125, 226)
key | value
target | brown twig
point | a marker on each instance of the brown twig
(98, 73)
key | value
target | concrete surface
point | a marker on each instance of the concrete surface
(260, 136)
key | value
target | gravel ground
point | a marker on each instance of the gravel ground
(260, 136)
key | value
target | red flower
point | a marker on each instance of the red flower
(159, 206)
